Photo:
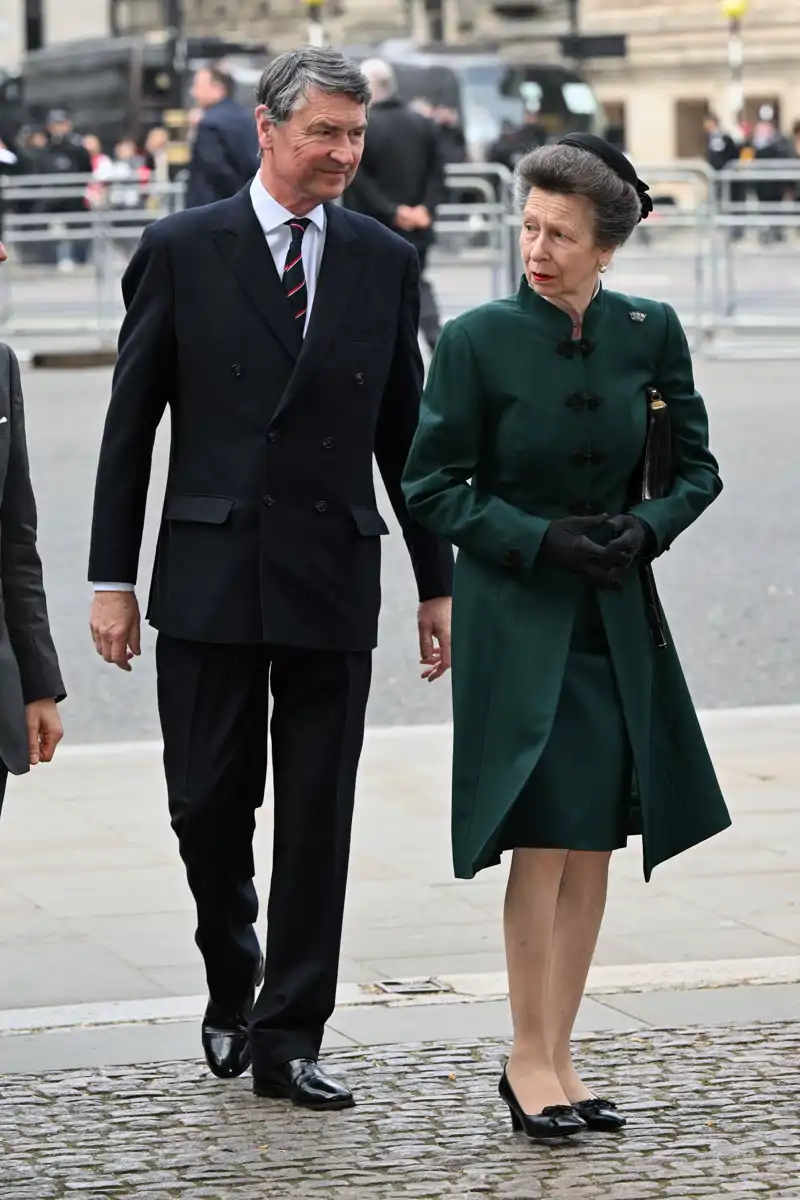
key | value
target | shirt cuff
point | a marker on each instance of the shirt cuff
(114, 587)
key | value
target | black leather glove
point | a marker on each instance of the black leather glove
(633, 540)
(567, 545)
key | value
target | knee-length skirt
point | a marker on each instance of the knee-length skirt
(582, 793)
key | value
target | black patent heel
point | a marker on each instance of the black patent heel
(553, 1122)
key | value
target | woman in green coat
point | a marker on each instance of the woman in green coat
(572, 728)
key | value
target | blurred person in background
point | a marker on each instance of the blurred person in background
(156, 148)
(769, 145)
(451, 134)
(30, 680)
(66, 155)
(512, 146)
(101, 164)
(10, 164)
(401, 178)
(225, 146)
(722, 152)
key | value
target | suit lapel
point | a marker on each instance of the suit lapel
(244, 247)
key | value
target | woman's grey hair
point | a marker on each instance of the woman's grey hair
(570, 171)
(285, 84)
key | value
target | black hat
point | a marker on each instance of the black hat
(58, 116)
(616, 160)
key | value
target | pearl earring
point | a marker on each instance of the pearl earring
(603, 268)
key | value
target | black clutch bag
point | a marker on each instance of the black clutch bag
(653, 483)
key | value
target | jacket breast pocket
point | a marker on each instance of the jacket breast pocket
(205, 510)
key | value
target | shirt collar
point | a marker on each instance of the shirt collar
(272, 215)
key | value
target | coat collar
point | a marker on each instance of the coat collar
(244, 246)
(554, 319)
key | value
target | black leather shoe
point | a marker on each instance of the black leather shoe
(305, 1083)
(554, 1121)
(226, 1043)
(600, 1114)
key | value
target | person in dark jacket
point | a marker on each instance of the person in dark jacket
(514, 144)
(64, 155)
(401, 178)
(30, 680)
(225, 152)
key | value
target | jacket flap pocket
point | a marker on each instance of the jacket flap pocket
(369, 521)
(210, 510)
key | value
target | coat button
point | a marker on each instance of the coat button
(273, 435)
(268, 501)
(327, 443)
(512, 559)
(236, 369)
(321, 506)
(359, 378)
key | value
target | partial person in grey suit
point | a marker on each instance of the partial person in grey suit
(30, 680)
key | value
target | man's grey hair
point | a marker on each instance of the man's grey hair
(285, 84)
(570, 171)
(380, 76)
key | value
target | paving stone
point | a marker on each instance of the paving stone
(429, 1126)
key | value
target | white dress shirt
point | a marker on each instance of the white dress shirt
(272, 218)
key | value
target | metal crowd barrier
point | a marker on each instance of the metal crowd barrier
(722, 247)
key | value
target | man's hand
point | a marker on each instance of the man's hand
(433, 620)
(116, 627)
(422, 216)
(405, 217)
(45, 730)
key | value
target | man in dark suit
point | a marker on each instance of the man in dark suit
(401, 179)
(225, 151)
(282, 332)
(30, 681)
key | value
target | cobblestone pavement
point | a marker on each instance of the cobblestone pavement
(714, 1113)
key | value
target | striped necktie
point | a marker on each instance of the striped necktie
(294, 276)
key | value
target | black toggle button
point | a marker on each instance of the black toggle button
(321, 506)
(512, 559)
(272, 435)
(569, 348)
(327, 443)
(267, 501)
(236, 369)
(583, 401)
(588, 458)
(359, 377)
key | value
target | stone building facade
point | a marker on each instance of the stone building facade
(676, 66)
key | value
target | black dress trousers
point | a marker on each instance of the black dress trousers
(3, 782)
(213, 703)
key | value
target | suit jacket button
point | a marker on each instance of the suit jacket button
(321, 506)
(268, 501)
(327, 443)
(359, 378)
(273, 435)
(236, 369)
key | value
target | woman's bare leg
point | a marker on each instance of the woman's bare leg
(579, 914)
(529, 921)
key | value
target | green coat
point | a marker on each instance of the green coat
(515, 432)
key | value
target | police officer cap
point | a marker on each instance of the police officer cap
(614, 159)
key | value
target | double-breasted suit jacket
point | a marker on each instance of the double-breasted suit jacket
(29, 668)
(270, 529)
(520, 426)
